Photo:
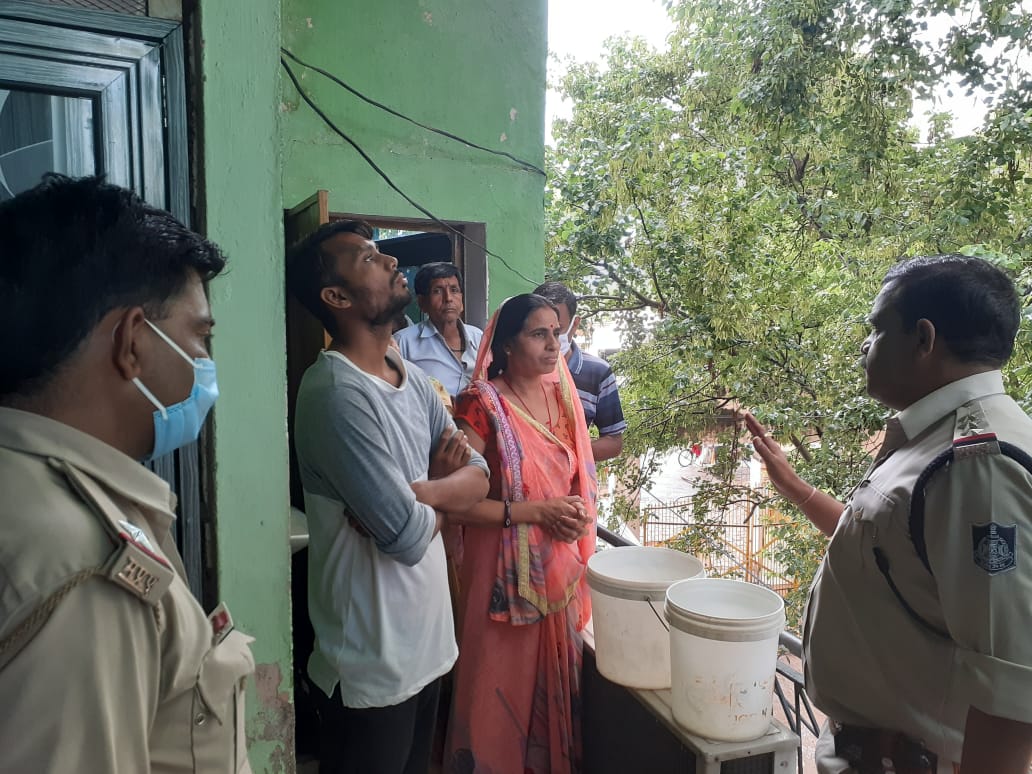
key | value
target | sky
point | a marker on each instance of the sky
(578, 29)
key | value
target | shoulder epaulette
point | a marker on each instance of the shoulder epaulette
(131, 565)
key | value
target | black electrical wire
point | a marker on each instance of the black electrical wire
(365, 156)
(374, 103)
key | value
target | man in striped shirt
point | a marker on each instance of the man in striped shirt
(595, 382)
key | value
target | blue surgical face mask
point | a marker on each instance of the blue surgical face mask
(180, 424)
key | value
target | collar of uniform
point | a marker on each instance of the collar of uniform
(576, 361)
(919, 416)
(36, 434)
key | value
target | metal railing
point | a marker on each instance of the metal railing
(612, 538)
(798, 711)
(740, 550)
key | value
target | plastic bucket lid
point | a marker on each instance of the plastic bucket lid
(724, 609)
(640, 573)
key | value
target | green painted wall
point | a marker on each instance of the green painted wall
(242, 211)
(473, 67)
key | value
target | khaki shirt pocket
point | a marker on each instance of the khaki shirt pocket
(219, 743)
(871, 511)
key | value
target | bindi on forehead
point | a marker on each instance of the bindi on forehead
(541, 320)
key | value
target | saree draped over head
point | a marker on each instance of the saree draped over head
(525, 598)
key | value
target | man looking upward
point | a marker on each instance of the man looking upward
(380, 460)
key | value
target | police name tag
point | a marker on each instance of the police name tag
(994, 546)
(221, 623)
(139, 569)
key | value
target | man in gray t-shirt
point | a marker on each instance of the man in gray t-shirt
(379, 458)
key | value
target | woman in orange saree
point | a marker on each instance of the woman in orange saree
(523, 595)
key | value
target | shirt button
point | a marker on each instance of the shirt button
(201, 719)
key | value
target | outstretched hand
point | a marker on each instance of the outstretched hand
(782, 474)
(819, 507)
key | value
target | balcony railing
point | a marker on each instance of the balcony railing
(798, 711)
(789, 688)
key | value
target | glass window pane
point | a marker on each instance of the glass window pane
(41, 133)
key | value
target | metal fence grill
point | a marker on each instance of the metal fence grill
(742, 548)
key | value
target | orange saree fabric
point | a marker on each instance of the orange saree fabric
(516, 704)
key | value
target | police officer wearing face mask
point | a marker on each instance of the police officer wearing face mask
(107, 662)
(596, 384)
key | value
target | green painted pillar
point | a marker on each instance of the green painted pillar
(241, 206)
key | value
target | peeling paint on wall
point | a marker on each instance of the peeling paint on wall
(513, 112)
(308, 21)
(503, 137)
(274, 719)
(428, 18)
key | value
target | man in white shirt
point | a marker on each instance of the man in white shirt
(442, 345)
(380, 459)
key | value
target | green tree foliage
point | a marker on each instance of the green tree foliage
(737, 198)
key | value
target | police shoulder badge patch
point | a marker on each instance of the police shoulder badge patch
(994, 546)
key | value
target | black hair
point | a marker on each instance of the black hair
(557, 293)
(511, 318)
(972, 304)
(400, 322)
(435, 271)
(73, 250)
(310, 268)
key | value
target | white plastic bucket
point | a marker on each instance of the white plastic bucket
(723, 656)
(628, 587)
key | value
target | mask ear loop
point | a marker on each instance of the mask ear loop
(176, 347)
(139, 385)
(150, 396)
(179, 351)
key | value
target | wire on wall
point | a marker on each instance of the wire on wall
(365, 157)
(393, 112)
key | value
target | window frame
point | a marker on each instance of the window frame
(133, 69)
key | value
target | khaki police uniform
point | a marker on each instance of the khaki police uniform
(867, 662)
(107, 662)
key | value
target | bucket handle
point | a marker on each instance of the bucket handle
(658, 616)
